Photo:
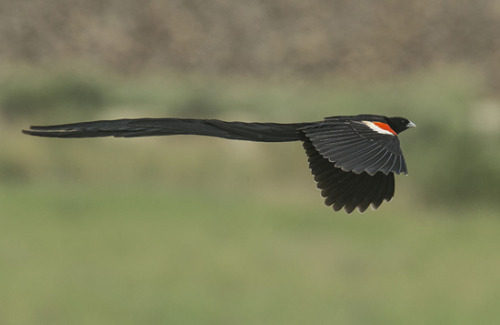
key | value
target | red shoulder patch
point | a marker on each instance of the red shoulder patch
(385, 126)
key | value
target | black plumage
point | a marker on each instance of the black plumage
(353, 158)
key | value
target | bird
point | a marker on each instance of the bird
(353, 159)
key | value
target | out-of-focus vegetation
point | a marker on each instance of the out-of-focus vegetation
(197, 230)
(93, 254)
(452, 155)
(49, 95)
(201, 230)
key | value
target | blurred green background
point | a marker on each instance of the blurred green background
(192, 230)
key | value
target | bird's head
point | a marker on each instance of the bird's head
(399, 124)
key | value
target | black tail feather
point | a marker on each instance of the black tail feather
(265, 132)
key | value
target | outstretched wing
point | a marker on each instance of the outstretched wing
(358, 145)
(348, 190)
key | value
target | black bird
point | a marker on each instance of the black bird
(353, 158)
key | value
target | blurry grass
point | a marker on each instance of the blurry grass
(192, 230)
(451, 155)
(428, 95)
(90, 254)
(36, 93)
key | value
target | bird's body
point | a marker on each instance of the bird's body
(353, 158)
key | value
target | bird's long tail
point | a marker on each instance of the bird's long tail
(265, 132)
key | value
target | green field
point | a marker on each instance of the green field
(190, 230)
(126, 255)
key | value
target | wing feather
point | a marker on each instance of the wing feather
(353, 146)
(345, 189)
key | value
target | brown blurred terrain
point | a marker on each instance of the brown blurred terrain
(362, 39)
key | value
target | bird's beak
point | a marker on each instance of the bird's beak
(411, 124)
